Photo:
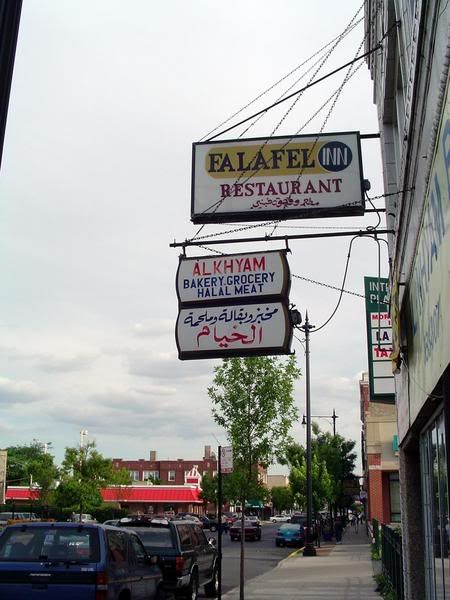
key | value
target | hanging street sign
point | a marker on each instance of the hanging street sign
(226, 459)
(233, 330)
(379, 339)
(291, 177)
(212, 279)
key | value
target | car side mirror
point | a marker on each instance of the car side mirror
(212, 542)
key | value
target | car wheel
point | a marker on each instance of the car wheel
(213, 528)
(212, 588)
(192, 592)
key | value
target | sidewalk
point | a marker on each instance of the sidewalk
(341, 572)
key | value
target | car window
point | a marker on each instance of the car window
(289, 526)
(117, 546)
(185, 536)
(159, 537)
(55, 543)
(138, 549)
(202, 541)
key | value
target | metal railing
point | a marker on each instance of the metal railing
(392, 559)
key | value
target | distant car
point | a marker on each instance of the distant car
(208, 523)
(252, 531)
(280, 519)
(187, 558)
(290, 534)
(76, 561)
(112, 522)
(301, 519)
(83, 518)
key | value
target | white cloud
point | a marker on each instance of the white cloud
(18, 392)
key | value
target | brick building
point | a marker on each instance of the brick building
(380, 457)
(169, 471)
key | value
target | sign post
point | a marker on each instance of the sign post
(225, 465)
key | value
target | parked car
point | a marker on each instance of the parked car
(76, 561)
(301, 519)
(290, 534)
(208, 523)
(83, 518)
(280, 519)
(112, 522)
(252, 531)
(187, 559)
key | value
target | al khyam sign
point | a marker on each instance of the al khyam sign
(233, 305)
(277, 178)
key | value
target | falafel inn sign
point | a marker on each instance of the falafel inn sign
(233, 305)
(281, 177)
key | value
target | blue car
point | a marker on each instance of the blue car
(75, 561)
(290, 534)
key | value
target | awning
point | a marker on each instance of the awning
(155, 493)
(21, 493)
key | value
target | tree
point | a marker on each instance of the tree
(282, 498)
(84, 472)
(253, 402)
(32, 465)
(333, 461)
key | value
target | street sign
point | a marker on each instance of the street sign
(257, 179)
(234, 330)
(226, 459)
(233, 277)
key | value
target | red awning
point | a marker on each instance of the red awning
(21, 493)
(156, 493)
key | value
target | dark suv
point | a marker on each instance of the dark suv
(187, 559)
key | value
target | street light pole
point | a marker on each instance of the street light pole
(334, 416)
(309, 549)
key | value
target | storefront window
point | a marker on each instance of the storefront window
(436, 517)
(394, 493)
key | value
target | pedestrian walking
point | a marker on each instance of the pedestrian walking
(338, 528)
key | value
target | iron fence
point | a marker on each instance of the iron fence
(392, 559)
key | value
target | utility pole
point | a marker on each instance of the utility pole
(309, 548)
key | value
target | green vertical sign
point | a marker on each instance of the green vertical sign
(379, 339)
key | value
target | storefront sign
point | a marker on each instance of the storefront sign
(282, 177)
(208, 279)
(234, 330)
(429, 288)
(379, 339)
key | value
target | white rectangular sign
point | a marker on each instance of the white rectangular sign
(226, 459)
(235, 330)
(208, 279)
(281, 177)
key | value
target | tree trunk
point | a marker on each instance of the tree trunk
(241, 577)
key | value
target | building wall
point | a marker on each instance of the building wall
(411, 77)
(178, 468)
(379, 458)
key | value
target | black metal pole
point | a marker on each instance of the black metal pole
(219, 523)
(309, 547)
(334, 417)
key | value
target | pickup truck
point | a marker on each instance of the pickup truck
(187, 558)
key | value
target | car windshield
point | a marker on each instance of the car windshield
(158, 537)
(49, 543)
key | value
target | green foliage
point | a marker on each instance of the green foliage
(333, 460)
(209, 489)
(253, 401)
(282, 498)
(384, 587)
(83, 473)
(32, 465)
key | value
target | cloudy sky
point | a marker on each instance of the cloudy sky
(106, 101)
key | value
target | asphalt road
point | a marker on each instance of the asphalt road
(260, 557)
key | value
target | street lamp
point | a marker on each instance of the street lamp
(83, 434)
(309, 549)
(334, 416)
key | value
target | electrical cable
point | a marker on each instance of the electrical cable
(274, 85)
